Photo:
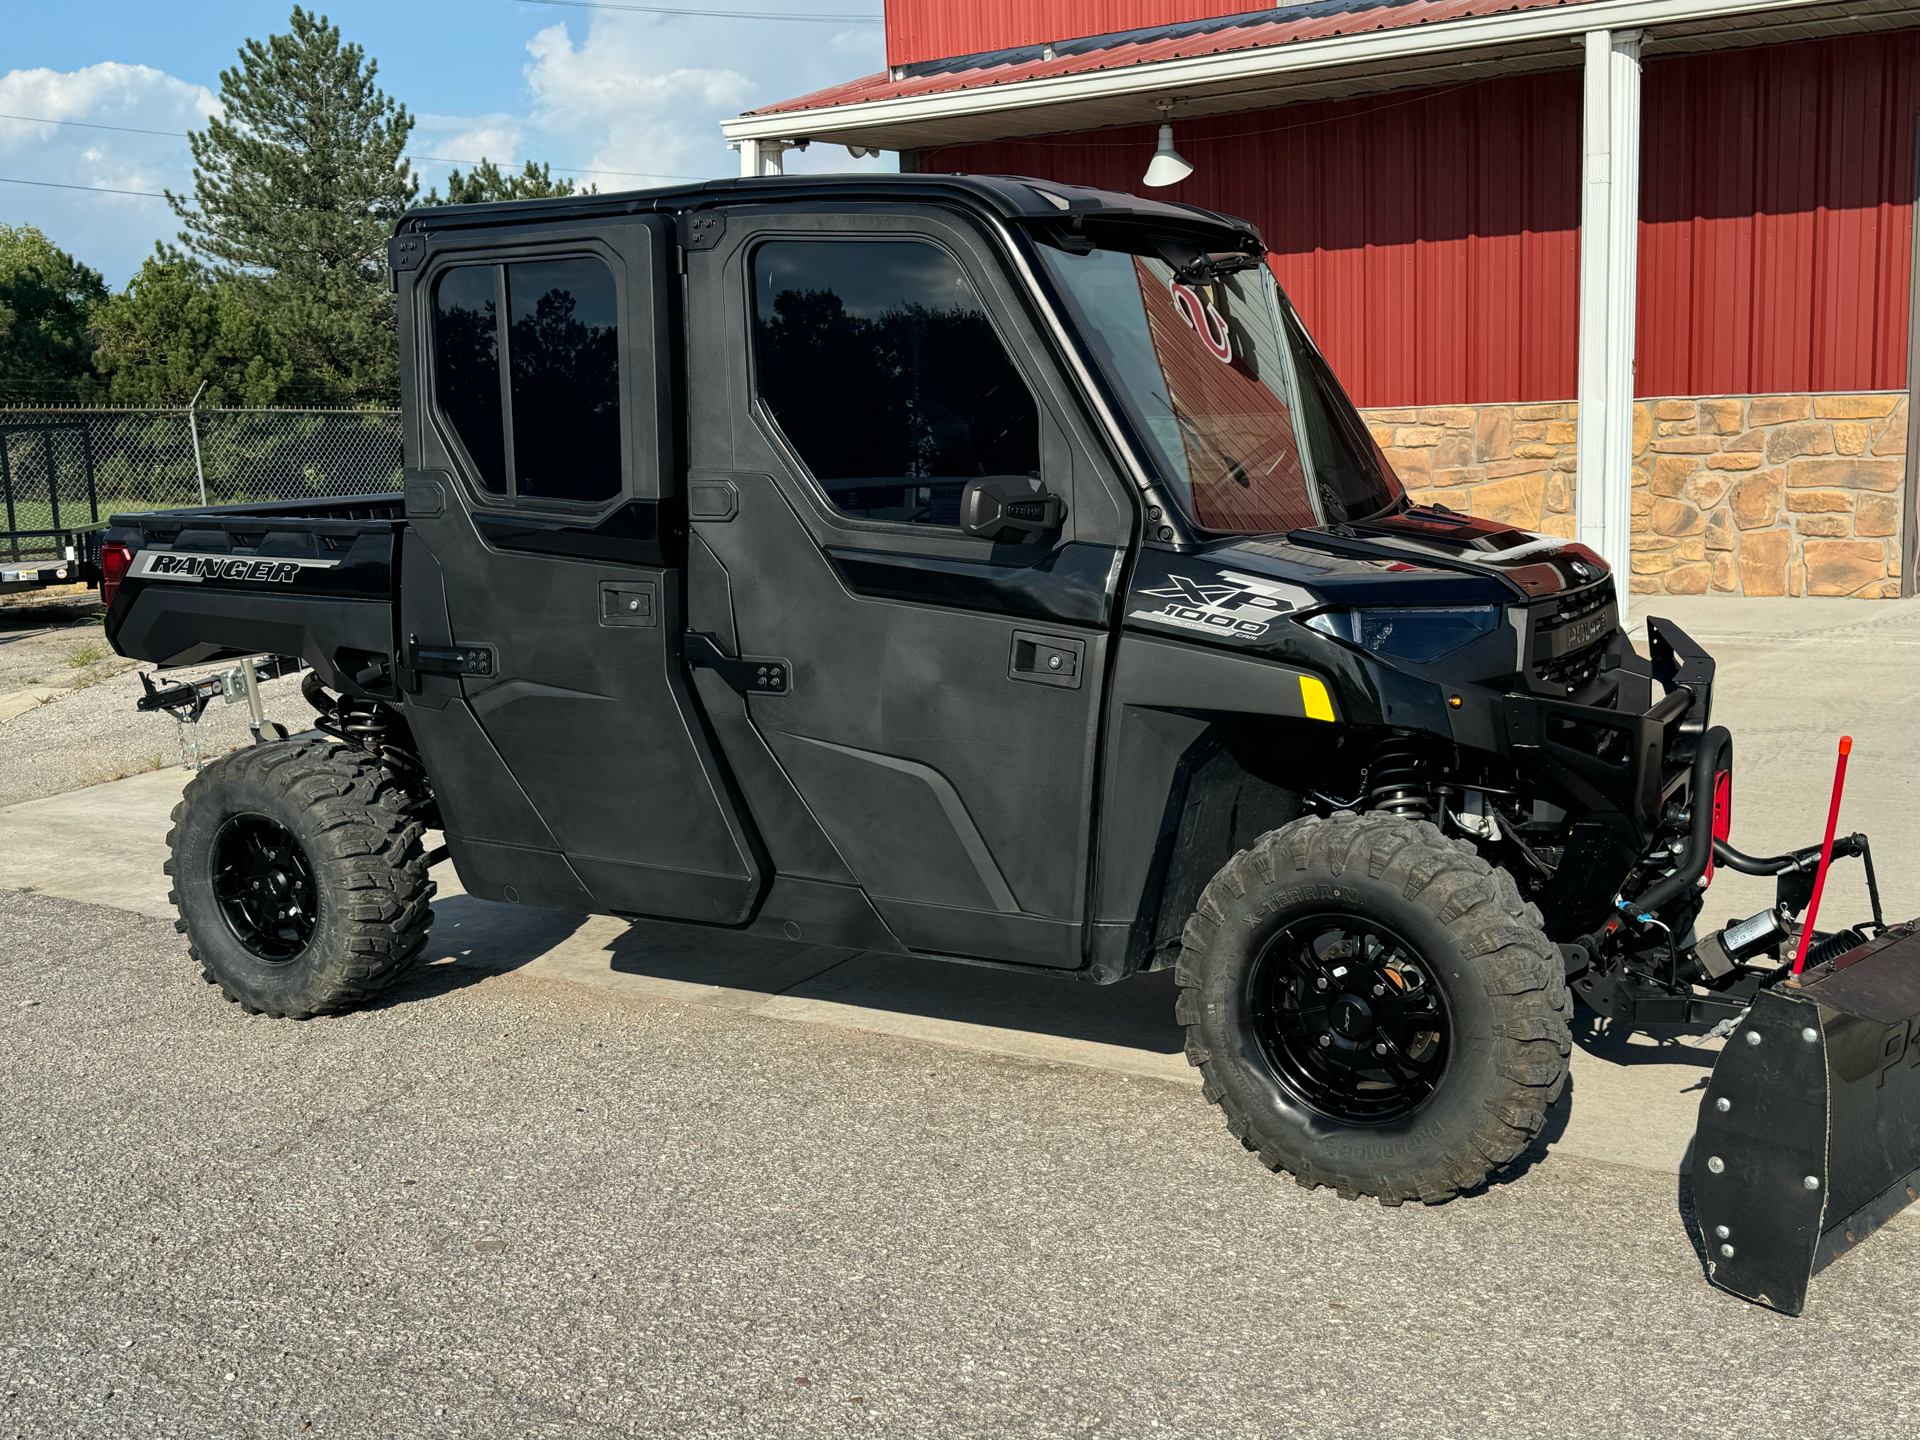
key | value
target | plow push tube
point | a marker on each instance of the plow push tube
(1807, 1139)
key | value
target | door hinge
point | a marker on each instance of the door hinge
(748, 674)
(455, 660)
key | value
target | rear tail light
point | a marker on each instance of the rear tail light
(114, 563)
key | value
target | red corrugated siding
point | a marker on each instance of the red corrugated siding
(1776, 218)
(939, 29)
(1431, 240)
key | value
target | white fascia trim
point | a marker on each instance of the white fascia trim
(1163, 76)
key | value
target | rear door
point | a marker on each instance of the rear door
(541, 600)
(848, 372)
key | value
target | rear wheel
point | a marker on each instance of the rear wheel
(300, 877)
(1374, 1007)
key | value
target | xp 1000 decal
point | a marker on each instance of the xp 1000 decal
(1220, 603)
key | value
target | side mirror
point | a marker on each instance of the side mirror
(1014, 508)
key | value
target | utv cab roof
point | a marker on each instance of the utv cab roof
(1006, 197)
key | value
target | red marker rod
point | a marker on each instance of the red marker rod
(1827, 853)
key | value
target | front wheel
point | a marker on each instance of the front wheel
(1373, 1007)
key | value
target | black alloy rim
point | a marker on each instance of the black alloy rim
(265, 887)
(1349, 1019)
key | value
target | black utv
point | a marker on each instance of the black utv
(976, 568)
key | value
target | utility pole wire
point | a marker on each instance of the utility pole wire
(96, 189)
(437, 159)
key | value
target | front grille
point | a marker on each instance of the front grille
(1571, 635)
(1573, 670)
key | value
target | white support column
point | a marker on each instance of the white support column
(762, 157)
(1610, 234)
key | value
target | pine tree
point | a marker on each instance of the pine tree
(487, 181)
(297, 186)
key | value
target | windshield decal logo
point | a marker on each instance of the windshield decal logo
(1205, 321)
(1235, 607)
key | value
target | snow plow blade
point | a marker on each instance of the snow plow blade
(1807, 1141)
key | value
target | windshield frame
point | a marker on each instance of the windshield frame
(1147, 240)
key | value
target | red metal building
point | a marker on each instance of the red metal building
(1424, 171)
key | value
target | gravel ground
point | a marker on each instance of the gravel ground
(505, 1205)
(89, 731)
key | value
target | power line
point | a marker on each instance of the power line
(95, 125)
(567, 170)
(710, 14)
(96, 189)
(437, 159)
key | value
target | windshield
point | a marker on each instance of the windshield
(1245, 421)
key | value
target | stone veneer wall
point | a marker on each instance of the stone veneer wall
(1738, 495)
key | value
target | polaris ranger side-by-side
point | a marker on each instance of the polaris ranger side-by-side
(976, 568)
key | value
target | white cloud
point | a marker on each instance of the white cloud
(648, 93)
(459, 142)
(639, 98)
(113, 233)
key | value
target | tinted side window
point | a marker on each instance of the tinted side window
(878, 361)
(559, 437)
(467, 367)
(566, 379)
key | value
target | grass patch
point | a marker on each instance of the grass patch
(86, 654)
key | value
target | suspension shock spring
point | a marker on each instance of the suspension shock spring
(1398, 780)
(373, 727)
(366, 722)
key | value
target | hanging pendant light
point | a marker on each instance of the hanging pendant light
(1168, 165)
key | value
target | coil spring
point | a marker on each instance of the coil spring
(1398, 781)
(367, 722)
(373, 727)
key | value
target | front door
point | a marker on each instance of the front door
(541, 620)
(847, 375)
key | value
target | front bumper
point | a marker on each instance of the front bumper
(1626, 750)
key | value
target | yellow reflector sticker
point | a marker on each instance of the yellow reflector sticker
(1314, 699)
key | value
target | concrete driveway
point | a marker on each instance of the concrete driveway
(580, 1177)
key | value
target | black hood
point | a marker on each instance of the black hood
(1533, 566)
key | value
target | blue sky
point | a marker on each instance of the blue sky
(589, 88)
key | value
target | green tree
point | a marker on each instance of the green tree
(486, 181)
(178, 326)
(47, 299)
(297, 186)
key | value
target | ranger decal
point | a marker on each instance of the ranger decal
(193, 567)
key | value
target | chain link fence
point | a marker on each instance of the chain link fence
(63, 468)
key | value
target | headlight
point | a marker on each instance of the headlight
(1411, 633)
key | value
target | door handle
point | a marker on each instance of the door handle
(1047, 659)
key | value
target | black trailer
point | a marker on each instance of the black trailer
(52, 507)
(974, 568)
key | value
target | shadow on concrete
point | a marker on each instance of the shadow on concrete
(474, 940)
(1669, 1045)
